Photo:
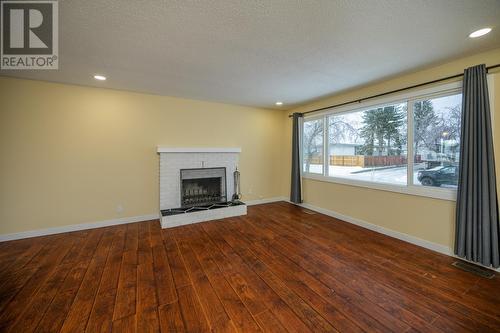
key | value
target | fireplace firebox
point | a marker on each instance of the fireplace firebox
(203, 186)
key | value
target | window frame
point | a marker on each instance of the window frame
(409, 97)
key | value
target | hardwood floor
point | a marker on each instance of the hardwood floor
(276, 269)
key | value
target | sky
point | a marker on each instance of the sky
(440, 105)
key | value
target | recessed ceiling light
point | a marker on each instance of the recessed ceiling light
(279, 103)
(480, 32)
(100, 77)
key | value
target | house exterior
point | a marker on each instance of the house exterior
(348, 149)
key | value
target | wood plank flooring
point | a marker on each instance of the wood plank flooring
(277, 269)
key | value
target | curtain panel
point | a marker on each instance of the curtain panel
(477, 225)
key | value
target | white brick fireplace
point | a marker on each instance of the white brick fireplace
(173, 160)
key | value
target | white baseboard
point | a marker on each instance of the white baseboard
(106, 223)
(385, 231)
(76, 227)
(264, 201)
(396, 234)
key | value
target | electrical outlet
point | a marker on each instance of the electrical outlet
(119, 209)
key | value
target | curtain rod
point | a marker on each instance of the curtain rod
(392, 91)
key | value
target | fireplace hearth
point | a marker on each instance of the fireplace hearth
(177, 211)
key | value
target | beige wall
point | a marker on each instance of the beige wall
(425, 218)
(72, 154)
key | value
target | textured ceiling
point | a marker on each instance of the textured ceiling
(258, 52)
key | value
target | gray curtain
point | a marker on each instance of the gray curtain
(296, 190)
(477, 225)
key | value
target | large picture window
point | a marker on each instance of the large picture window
(411, 145)
(369, 145)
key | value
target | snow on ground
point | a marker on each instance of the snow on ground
(392, 175)
(395, 175)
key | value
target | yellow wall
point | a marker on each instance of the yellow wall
(71, 154)
(421, 217)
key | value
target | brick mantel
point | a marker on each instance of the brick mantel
(197, 150)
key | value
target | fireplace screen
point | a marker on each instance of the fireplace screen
(203, 186)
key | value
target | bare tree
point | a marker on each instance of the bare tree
(340, 131)
(313, 136)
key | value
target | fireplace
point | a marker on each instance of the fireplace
(203, 186)
(198, 184)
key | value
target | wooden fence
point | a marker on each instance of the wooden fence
(316, 160)
(376, 161)
(362, 161)
(348, 160)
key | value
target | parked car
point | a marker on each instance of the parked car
(438, 176)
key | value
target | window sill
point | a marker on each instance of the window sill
(436, 193)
